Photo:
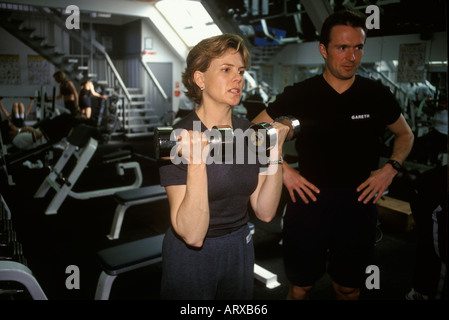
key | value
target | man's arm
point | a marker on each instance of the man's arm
(403, 142)
(380, 180)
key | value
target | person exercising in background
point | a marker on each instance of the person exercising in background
(48, 130)
(68, 92)
(333, 225)
(18, 114)
(87, 90)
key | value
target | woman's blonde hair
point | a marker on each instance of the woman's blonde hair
(200, 57)
(59, 75)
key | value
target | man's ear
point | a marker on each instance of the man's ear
(323, 50)
(198, 77)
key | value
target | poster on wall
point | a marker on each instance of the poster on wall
(38, 70)
(411, 64)
(10, 73)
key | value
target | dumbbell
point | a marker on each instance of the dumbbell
(263, 135)
(13, 251)
(3, 213)
(5, 225)
(165, 140)
(7, 237)
(292, 123)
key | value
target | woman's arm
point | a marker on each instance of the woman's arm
(265, 199)
(30, 106)
(7, 114)
(95, 93)
(189, 204)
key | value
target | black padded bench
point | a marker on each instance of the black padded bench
(128, 198)
(126, 257)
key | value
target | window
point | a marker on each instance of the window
(189, 19)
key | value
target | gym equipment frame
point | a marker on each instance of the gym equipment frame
(63, 186)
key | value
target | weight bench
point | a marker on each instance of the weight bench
(18, 272)
(129, 198)
(82, 146)
(126, 257)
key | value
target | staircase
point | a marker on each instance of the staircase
(136, 117)
(13, 22)
(139, 118)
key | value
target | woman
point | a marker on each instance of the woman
(68, 92)
(18, 114)
(208, 252)
(87, 90)
(49, 130)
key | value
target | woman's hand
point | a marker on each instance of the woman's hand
(193, 146)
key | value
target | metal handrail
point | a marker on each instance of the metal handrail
(156, 82)
(98, 46)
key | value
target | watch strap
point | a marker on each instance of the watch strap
(395, 164)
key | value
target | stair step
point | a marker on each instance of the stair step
(37, 38)
(140, 111)
(138, 103)
(142, 126)
(28, 30)
(134, 90)
(140, 134)
(48, 46)
(138, 96)
(145, 118)
(16, 21)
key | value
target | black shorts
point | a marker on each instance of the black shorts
(336, 232)
(72, 107)
(18, 122)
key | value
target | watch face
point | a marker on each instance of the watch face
(395, 164)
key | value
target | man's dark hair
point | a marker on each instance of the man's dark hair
(341, 18)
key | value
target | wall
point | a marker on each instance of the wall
(12, 46)
(161, 52)
(376, 49)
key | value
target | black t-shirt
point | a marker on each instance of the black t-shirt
(339, 140)
(229, 184)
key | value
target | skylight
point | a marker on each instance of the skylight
(189, 19)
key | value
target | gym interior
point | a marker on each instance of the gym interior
(82, 218)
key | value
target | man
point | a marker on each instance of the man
(342, 117)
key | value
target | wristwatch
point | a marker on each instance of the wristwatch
(280, 161)
(395, 164)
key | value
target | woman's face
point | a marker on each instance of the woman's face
(223, 81)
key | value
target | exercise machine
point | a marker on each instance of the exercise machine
(82, 146)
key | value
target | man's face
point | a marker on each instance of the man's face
(344, 51)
